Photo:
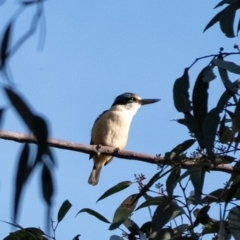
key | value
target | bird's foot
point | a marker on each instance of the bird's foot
(98, 147)
(116, 150)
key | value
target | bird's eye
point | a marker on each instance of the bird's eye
(132, 99)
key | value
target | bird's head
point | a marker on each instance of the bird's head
(132, 101)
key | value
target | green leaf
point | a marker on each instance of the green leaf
(233, 189)
(117, 188)
(163, 234)
(180, 148)
(200, 99)
(123, 211)
(115, 237)
(234, 222)
(26, 234)
(172, 180)
(154, 201)
(197, 175)
(236, 119)
(66, 205)
(210, 126)
(165, 212)
(230, 66)
(181, 94)
(94, 213)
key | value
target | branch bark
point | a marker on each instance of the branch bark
(123, 154)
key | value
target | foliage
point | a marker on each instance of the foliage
(215, 133)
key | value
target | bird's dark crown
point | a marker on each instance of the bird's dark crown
(126, 98)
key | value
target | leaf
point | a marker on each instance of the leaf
(131, 226)
(214, 20)
(180, 148)
(181, 94)
(226, 20)
(162, 234)
(164, 213)
(20, 106)
(210, 126)
(223, 100)
(200, 99)
(115, 237)
(234, 222)
(193, 127)
(197, 175)
(94, 213)
(47, 184)
(117, 188)
(155, 178)
(77, 237)
(172, 180)
(229, 66)
(208, 74)
(23, 173)
(224, 2)
(5, 44)
(151, 202)
(123, 211)
(66, 205)
(26, 234)
(233, 189)
(236, 119)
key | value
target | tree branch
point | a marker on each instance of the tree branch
(96, 149)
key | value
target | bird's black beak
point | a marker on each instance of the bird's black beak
(148, 101)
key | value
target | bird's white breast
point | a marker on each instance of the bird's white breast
(112, 128)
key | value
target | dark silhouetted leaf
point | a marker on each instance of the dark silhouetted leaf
(20, 106)
(155, 178)
(226, 20)
(47, 185)
(197, 175)
(236, 119)
(238, 27)
(5, 44)
(180, 148)
(172, 180)
(77, 237)
(26, 234)
(200, 99)
(214, 20)
(208, 74)
(224, 2)
(118, 187)
(154, 201)
(223, 100)
(123, 211)
(94, 213)
(230, 66)
(233, 189)
(23, 173)
(181, 94)
(131, 226)
(233, 222)
(63, 210)
(165, 212)
(163, 234)
(1, 115)
(193, 127)
(210, 126)
(115, 237)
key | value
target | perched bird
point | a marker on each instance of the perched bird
(111, 128)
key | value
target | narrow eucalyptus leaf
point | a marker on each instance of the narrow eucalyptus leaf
(66, 205)
(93, 213)
(181, 94)
(229, 66)
(233, 222)
(118, 187)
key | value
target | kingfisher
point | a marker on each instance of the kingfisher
(111, 129)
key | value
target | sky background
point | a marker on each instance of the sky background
(94, 51)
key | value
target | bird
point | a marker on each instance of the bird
(111, 129)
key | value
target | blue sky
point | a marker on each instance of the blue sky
(94, 51)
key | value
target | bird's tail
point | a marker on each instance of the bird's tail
(94, 176)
